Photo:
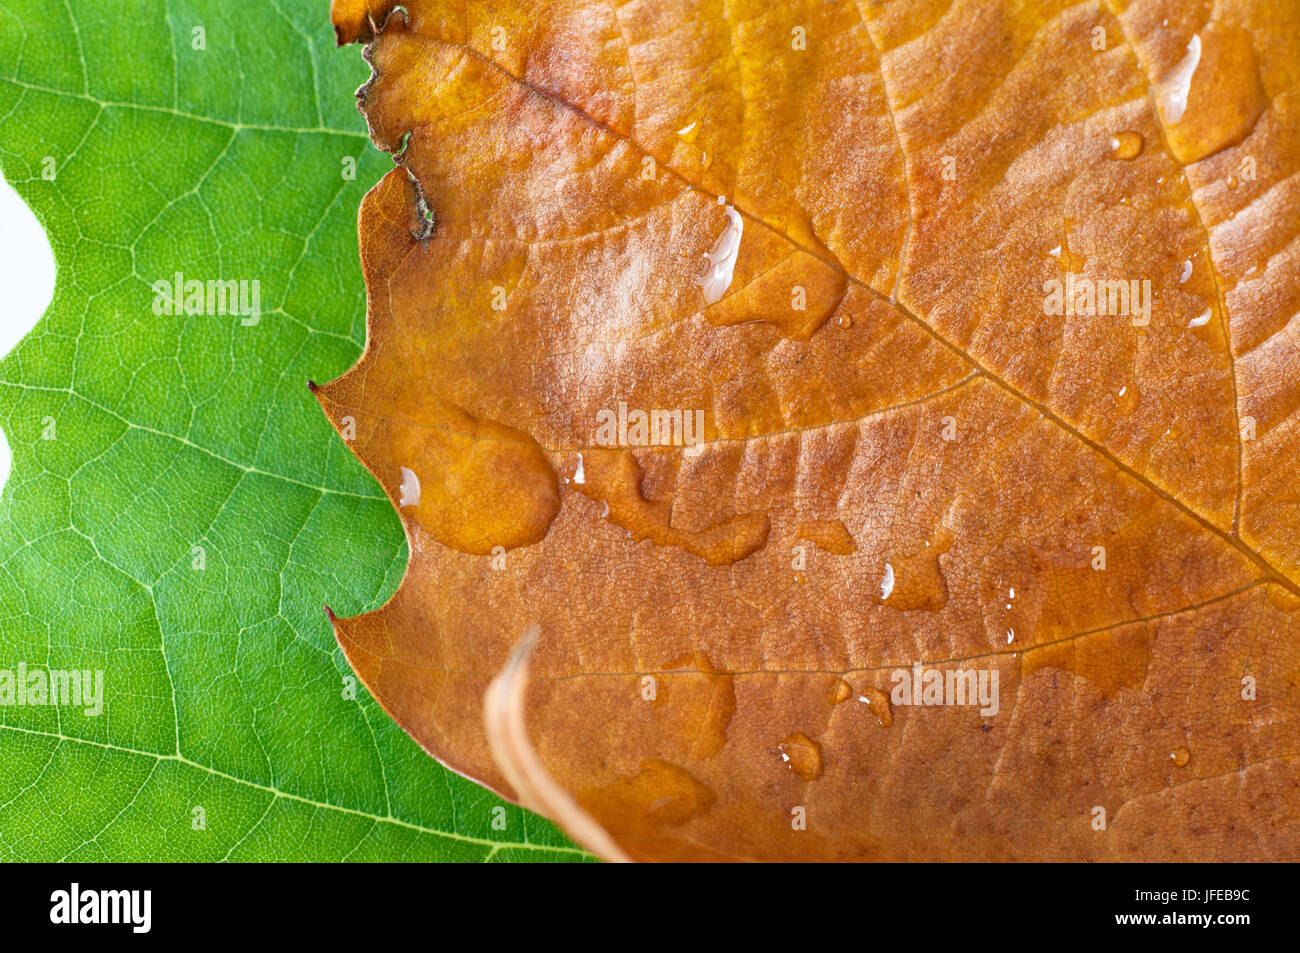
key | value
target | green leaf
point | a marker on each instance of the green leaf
(192, 441)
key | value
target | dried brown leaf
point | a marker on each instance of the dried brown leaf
(905, 457)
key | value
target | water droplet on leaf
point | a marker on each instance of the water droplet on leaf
(1127, 145)
(878, 702)
(802, 755)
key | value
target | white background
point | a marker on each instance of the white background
(27, 277)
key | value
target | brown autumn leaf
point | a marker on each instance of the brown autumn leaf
(833, 228)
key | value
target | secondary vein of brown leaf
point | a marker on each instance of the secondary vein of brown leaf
(1220, 302)
(884, 666)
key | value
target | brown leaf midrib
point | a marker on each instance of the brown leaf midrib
(1267, 569)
